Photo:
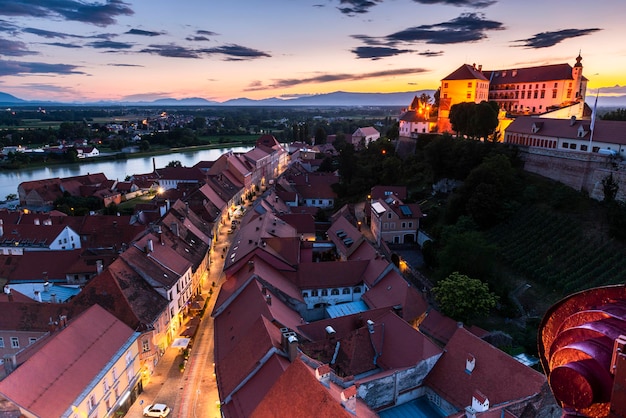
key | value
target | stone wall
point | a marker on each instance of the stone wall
(578, 170)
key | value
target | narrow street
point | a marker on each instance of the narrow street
(193, 392)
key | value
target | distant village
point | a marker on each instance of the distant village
(311, 317)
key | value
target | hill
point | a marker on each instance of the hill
(7, 99)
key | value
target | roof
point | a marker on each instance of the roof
(39, 266)
(465, 72)
(395, 292)
(366, 131)
(297, 393)
(451, 381)
(606, 131)
(540, 73)
(382, 192)
(438, 326)
(330, 274)
(67, 363)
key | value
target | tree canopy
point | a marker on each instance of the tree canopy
(474, 120)
(463, 298)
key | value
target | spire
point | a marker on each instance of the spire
(579, 58)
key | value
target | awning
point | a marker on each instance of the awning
(181, 343)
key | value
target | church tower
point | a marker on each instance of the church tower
(577, 75)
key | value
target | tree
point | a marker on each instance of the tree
(320, 136)
(463, 298)
(618, 114)
(474, 120)
(174, 163)
(610, 187)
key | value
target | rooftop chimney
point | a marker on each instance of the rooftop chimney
(268, 299)
(370, 326)
(53, 298)
(572, 121)
(99, 266)
(150, 246)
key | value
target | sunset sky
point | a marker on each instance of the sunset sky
(76, 51)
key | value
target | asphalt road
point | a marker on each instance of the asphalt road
(193, 392)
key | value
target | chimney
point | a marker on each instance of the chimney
(174, 228)
(53, 298)
(46, 285)
(186, 208)
(37, 221)
(348, 399)
(38, 296)
(470, 363)
(370, 326)
(572, 121)
(99, 267)
(268, 299)
(480, 67)
(150, 246)
(330, 332)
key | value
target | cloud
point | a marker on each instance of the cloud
(6, 26)
(49, 34)
(476, 4)
(95, 13)
(612, 90)
(468, 27)
(547, 39)
(429, 53)
(110, 45)
(64, 45)
(206, 32)
(19, 68)
(126, 65)
(197, 38)
(378, 52)
(328, 78)
(143, 32)
(356, 7)
(147, 96)
(232, 51)
(14, 48)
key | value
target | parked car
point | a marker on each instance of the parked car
(159, 410)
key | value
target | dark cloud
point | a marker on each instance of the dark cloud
(6, 26)
(95, 13)
(233, 52)
(206, 32)
(64, 45)
(10, 48)
(196, 38)
(238, 51)
(378, 52)
(171, 51)
(126, 65)
(143, 32)
(20, 68)
(476, 4)
(547, 39)
(110, 45)
(429, 53)
(327, 78)
(49, 34)
(468, 27)
(356, 7)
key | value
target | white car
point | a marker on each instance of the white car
(158, 410)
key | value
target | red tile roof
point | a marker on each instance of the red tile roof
(394, 291)
(609, 131)
(67, 363)
(297, 393)
(496, 374)
(330, 274)
(438, 326)
(466, 72)
(551, 72)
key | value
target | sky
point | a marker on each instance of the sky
(132, 50)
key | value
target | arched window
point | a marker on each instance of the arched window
(346, 290)
(334, 292)
(357, 289)
(324, 292)
(314, 293)
(305, 294)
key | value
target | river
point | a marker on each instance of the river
(114, 170)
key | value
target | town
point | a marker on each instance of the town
(315, 309)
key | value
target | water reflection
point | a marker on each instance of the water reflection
(114, 170)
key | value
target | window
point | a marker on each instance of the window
(536, 94)
(569, 93)
(64, 240)
(60, 242)
(346, 291)
(334, 292)
(445, 85)
(469, 85)
(357, 289)
(105, 385)
(445, 95)
(1, 342)
(554, 94)
(107, 402)
(15, 342)
(583, 148)
(314, 293)
(305, 294)
(31, 340)
(410, 224)
(403, 224)
(556, 85)
(389, 215)
(565, 145)
(469, 95)
(523, 95)
(595, 149)
(145, 345)
(91, 402)
(114, 372)
(324, 292)
(572, 146)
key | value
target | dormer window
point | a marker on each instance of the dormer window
(581, 131)
(470, 363)
(536, 127)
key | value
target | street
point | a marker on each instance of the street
(193, 392)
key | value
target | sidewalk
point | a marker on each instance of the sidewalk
(193, 392)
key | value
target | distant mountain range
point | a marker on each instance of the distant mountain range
(338, 98)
